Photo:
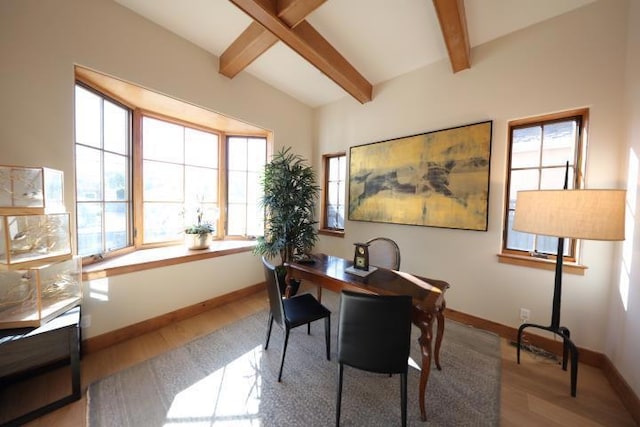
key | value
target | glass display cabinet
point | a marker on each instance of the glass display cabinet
(39, 277)
(31, 297)
(30, 190)
(33, 237)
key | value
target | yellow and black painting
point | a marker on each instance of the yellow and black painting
(436, 179)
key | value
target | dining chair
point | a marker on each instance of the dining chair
(384, 252)
(289, 313)
(374, 334)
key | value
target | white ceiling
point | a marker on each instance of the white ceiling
(382, 39)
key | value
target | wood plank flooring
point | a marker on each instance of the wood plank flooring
(534, 393)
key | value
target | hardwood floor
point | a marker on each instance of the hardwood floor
(534, 393)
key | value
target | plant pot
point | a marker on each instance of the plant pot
(197, 241)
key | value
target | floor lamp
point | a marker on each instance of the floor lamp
(576, 214)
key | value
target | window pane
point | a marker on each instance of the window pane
(116, 128)
(246, 158)
(334, 169)
(115, 176)
(89, 228)
(553, 178)
(88, 117)
(201, 148)
(339, 218)
(255, 220)
(539, 153)
(256, 154)
(115, 225)
(335, 217)
(516, 239)
(88, 174)
(162, 141)
(237, 148)
(254, 190)
(547, 245)
(525, 151)
(559, 143)
(162, 182)
(102, 173)
(343, 168)
(162, 222)
(522, 180)
(236, 220)
(201, 184)
(237, 187)
(335, 191)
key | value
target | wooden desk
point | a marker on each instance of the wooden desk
(428, 299)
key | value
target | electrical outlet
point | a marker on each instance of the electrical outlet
(524, 314)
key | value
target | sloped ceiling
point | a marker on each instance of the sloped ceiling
(381, 39)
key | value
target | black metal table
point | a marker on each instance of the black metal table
(33, 350)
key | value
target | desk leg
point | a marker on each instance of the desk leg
(425, 323)
(439, 335)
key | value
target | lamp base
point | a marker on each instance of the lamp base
(567, 347)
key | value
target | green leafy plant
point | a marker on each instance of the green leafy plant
(200, 227)
(290, 196)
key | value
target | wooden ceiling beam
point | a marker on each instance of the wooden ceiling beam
(453, 24)
(255, 40)
(310, 44)
(293, 12)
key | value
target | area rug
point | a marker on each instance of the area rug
(228, 379)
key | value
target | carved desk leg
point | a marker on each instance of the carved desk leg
(439, 335)
(424, 321)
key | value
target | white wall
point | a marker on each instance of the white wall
(575, 60)
(622, 345)
(40, 41)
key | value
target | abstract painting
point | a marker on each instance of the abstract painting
(435, 179)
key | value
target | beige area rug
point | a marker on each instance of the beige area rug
(228, 379)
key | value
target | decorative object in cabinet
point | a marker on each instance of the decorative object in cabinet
(31, 297)
(30, 190)
(28, 238)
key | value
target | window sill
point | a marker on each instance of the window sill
(161, 257)
(544, 264)
(329, 232)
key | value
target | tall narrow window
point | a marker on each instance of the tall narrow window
(246, 157)
(540, 149)
(180, 175)
(103, 164)
(335, 172)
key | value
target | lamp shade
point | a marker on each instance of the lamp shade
(578, 214)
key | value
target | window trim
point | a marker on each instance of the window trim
(515, 257)
(142, 101)
(131, 224)
(329, 231)
(138, 209)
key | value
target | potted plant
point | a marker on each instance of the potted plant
(198, 235)
(289, 198)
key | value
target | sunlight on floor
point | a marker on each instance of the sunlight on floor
(229, 396)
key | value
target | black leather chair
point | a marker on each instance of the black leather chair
(384, 252)
(292, 312)
(374, 334)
